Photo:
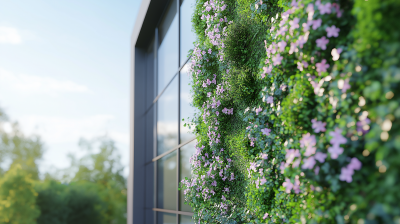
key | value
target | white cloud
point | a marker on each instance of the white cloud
(54, 129)
(9, 35)
(36, 84)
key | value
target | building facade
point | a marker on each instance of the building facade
(160, 98)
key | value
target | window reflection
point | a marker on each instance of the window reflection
(183, 219)
(167, 182)
(187, 36)
(187, 111)
(167, 118)
(166, 218)
(185, 170)
(168, 47)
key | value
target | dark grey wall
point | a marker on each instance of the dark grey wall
(141, 176)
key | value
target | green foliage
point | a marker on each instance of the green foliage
(17, 197)
(63, 204)
(356, 98)
(94, 189)
(101, 172)
(17, 148)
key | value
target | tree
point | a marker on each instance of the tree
(17, 148)
(17, 197)
(66, 204)
(101, 172)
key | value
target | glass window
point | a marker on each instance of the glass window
(187, 111)
(185, 170)
(183, 219)
(166, 218)
(167, 118)
(187, 36)
(168, 47)
(167, 182)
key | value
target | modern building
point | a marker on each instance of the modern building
(160, 97)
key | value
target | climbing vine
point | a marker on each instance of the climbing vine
(299, 107)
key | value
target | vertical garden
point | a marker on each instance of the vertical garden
(299, 112)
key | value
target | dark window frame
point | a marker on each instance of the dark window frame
(142, 192)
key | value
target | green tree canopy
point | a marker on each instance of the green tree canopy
(17, 197)
(17, 148)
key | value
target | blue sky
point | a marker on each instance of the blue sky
(64, 71)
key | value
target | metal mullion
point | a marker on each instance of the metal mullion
(173, 212)
(172, 150)
(159, 95)
(179, 110)
(155, 121)
(177, 73)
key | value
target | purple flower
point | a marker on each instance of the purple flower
(337, 137)
(301, 41)
(294, 24)
(320, 157)
(258, 110)
(208, 94)
(282, 31)
(270, 100)
(223, 7)
(208, 8)
(316, 170)
(354, 164)
(253, 166)
(264, 156)
(361, 124)
(332, 31)
(288, 185)
(263, 181)
(335, 150)
(310, 8)
(267, 70)
(291, 154)
(265, 216)
(322, 42)
(346, 85)
(325, 8)
(223, 198)
(306, 26)
(308, 163)
(346, 174)
(209, 50)
(217, 113)
(318, 126)
(316, 23)
(277, 59)
(214, 183)
(266, 131)
(309, 142)
(281, 45)
(322, 66)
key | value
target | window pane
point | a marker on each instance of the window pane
(187, 111)
(186, 152)
(166, 218)
(167, 118)
(166, 182)
(187, 35)
(183, 219)
(168, 49)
